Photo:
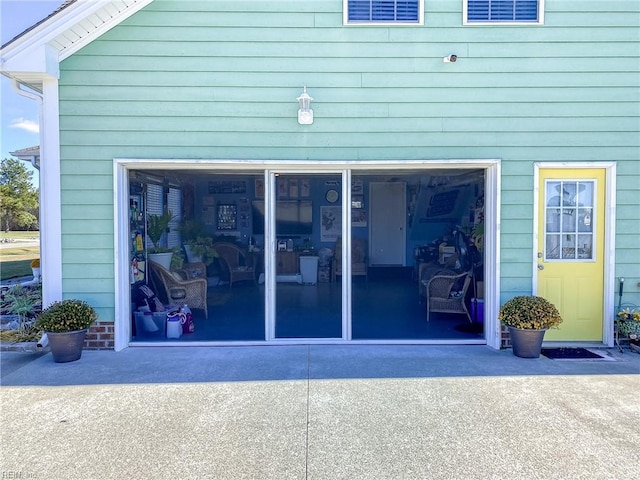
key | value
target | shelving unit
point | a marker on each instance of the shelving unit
(138, 232)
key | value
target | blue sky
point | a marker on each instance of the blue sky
(19, 114)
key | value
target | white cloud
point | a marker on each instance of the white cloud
(24, 124)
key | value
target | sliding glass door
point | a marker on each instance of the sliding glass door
(307, 225)
(324, 253)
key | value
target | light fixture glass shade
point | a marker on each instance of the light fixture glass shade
(305, 114)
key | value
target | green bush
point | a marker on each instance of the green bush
(66, 316)
(529, 312)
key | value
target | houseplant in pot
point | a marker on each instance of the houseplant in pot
(192, 233)
(157, 226)
(66, 322)
(528, 317)
(202, 248)
(35, 269)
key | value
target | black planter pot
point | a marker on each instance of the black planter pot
(526, 343)
(66, 346)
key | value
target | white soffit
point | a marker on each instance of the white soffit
(28, 57)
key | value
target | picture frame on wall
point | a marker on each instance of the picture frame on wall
(293, 188)
(244, 212)
(331, 223)
(208, 215)
(259, 188)
(283, 187)
(358, 218)
(305, 187)
(227, 186)
(227, 216)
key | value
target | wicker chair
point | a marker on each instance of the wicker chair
(359, 265)
(180, 287)
(239, 264)
(442, 298)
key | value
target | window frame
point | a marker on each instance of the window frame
(475, 23)
(347, 23)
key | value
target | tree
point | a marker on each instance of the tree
(18, 197)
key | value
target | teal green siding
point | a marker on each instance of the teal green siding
(219, 79)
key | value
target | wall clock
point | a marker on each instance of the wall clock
(332, 196)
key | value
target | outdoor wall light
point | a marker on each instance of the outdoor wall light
(305, 114)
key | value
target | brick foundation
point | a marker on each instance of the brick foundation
(505, 339)
(100, 337)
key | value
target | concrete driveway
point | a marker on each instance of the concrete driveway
(319, 412)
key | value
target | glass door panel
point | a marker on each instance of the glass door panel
(308, 215)
(217, 258)
(411, 227)
(569, 220)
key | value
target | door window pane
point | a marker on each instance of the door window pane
(569, 217)
(552, 247)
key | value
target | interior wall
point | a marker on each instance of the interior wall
(437, 203)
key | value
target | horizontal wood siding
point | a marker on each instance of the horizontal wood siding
(219, 80)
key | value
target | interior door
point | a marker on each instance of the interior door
(388, 217)
(570, 263)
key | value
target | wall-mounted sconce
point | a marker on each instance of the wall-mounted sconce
(305, 114)
(450, 58)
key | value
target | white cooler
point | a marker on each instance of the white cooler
(309, 270)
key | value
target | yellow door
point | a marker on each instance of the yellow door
(570, 258)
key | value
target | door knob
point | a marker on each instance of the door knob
(540, 267)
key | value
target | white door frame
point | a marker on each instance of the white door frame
(492, 168)
(270, 190)
(609, 235)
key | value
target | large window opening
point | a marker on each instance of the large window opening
(263, 256)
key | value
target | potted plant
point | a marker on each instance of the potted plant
(202, 248)
(35, 269)
(65, 323)
(157, 226)
(628, 326)
(528, 317)
(190, 231)
(177, 260)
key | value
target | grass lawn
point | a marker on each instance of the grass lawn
(15, 259)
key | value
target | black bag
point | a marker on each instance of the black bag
(143, 296)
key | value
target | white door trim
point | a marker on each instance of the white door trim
(609, 235)
(492, 168)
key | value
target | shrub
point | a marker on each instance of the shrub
(530, 312)
(628, 322)
(66, 316)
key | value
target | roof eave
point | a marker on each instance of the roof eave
(36, 53)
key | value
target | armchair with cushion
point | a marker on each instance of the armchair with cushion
(178, 289)
(446, 291)
(239, 264)
(359, 264)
